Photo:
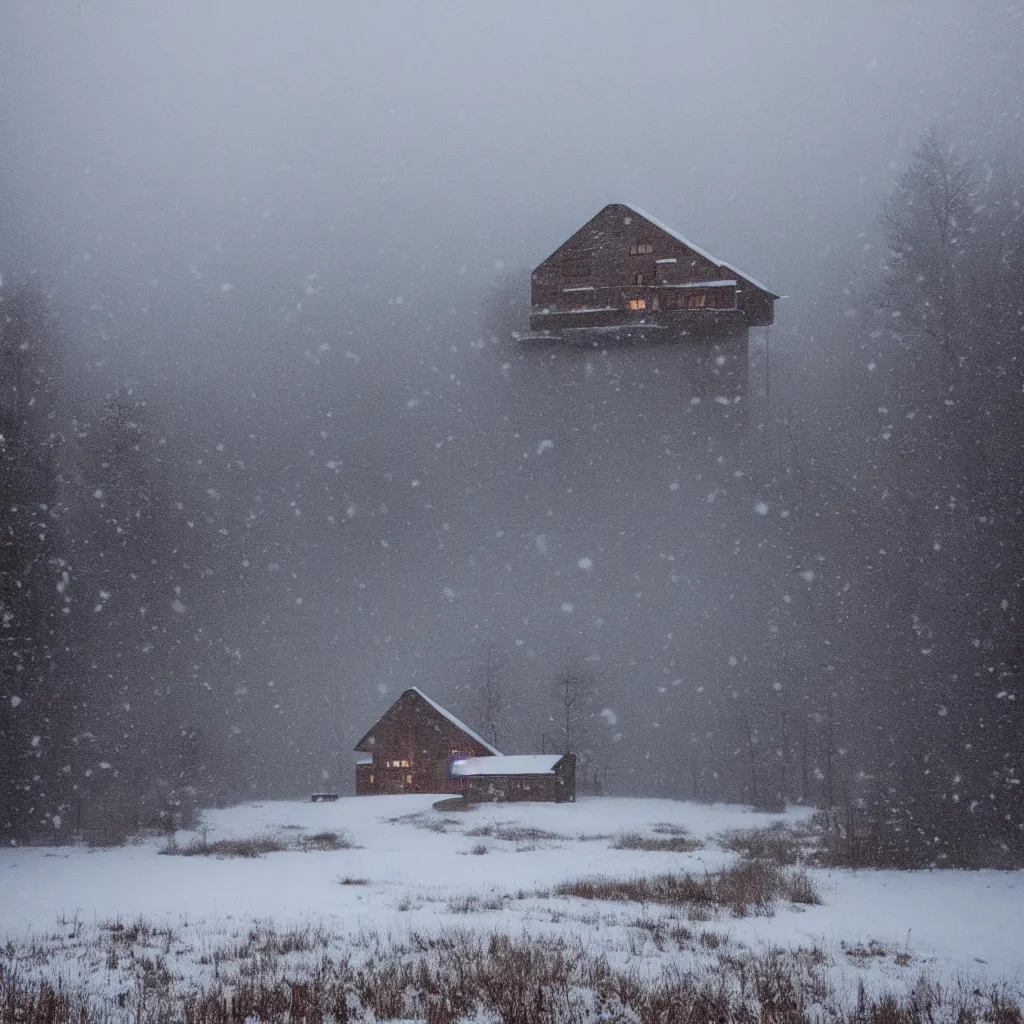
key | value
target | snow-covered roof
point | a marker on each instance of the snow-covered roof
(512, 764)
(364, 759)
(584, 288)
(667, 259)
(587, 309)
(700, 284)
(457, 722)
(696, 248)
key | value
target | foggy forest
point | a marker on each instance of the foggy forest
(271, 453)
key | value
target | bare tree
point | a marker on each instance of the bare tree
(575, 688)
(490, 696)
(929, 221)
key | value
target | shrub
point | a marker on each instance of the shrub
(778, 843)
(325, 841)
(749, 886)
(255, 846)
(677, 843)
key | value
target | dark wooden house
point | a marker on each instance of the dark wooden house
(547, 777)
(413, 747)
(625, 271)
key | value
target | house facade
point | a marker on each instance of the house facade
(413, 746)
(545, 777)
(624, 270)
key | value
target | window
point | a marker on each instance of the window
(637, 303)
(698, 301)
(639, 279)
(371, 780)
(408, 780)
(396, 764)
(643, 249)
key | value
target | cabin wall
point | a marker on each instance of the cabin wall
(480, 789)
(414, 732)
(619, 270)
(559, 787)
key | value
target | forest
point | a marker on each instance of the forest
(212, 581)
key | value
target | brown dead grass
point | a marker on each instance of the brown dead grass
(666, 843)
(453, 976)
(750, 887)
(780, 843)
(258, 846)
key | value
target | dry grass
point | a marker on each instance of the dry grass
(325, 841)
(254, 846)
(513, 833)
(453, 976)
(779, 843)
(665, 843)
(257, 846)
(749, 887)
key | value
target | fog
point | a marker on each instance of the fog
(282, 252)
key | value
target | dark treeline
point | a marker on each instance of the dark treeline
(211, 582)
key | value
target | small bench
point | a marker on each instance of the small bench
(317, 798)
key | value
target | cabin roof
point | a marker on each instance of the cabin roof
(700, 284)
(513, 764)
(661, 226)
(458, 723)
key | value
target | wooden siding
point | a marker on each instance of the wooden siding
(622, 270)
(559, 787)
(413, 745)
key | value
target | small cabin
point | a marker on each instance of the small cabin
(626, 271)
(519, 777)
(413, 747)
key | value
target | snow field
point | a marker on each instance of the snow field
(415, 872)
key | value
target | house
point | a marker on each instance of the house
(548, 777)
(412, 748)
(625, 271)
(417, 746)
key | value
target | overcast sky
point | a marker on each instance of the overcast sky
(220, 186)
(291, 140)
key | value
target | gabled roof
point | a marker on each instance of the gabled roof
(457, 722)
(514, 764)
(728, 268)
(661, 226)
(443, 712)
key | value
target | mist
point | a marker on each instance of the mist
(273, 261)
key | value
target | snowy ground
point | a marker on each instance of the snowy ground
(416, 870)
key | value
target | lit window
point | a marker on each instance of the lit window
(637, 303)
(698, 301)
(371, 780)
(408, 780)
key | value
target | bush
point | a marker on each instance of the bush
(257, 846)
(778, 843)
(751, 886)
(678, 843)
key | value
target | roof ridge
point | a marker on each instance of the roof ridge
(662, 226)
(457, 722)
